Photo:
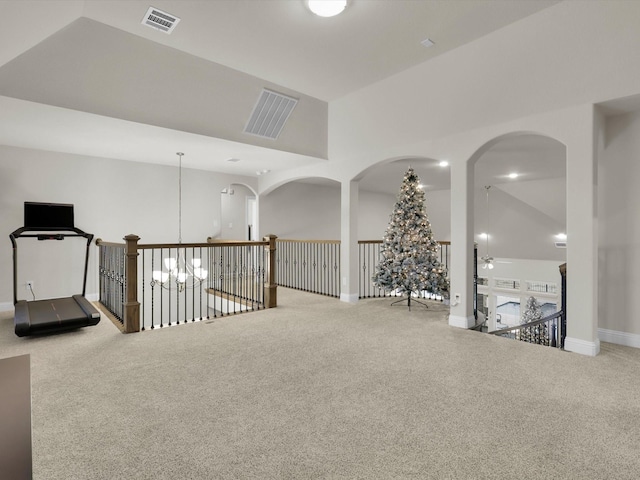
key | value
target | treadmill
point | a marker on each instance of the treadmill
(51, 221)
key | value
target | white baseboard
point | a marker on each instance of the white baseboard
(461, 322)
(619, 338)
(6, 307)
(582, 347)
(349, 297)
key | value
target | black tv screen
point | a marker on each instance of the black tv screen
(48, 215)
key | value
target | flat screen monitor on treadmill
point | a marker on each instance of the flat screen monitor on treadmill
(48, 215)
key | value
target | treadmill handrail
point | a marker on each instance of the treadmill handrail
(20, 232)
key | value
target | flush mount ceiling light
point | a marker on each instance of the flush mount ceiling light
(427, 42)
(444, 163)
(513, 175)
(327, 8)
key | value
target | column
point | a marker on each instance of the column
(582, 234)
(349, 242)
(461, 268)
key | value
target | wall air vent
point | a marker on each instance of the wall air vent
(270, 114)
(160, 20)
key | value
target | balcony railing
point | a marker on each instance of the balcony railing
(368, 259)
(549, 331)
(309, 265)
(139, 291)
(314, 266)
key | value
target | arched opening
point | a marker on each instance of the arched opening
(306, 209)
(238, 213)
(519, 225)
(379, 186)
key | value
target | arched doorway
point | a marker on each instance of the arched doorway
(519, 223)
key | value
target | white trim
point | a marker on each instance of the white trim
(92, 297)
(582, 347)
(461, 322)
(619, 338)
(349, 297)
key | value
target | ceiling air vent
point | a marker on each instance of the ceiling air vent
(160, 20)
(561, 244)
(270, 114)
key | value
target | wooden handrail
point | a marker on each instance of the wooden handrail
(365, 242)
(333, 242)
(102, 243)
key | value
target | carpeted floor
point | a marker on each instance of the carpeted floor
(318, 389)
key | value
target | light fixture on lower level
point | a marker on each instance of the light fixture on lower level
(327, 8)
(179, 272)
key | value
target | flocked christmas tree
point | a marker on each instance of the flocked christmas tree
(538, 333)
(409, 256)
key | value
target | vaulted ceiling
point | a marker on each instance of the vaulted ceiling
(87, 77)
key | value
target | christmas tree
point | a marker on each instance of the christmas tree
(538, 333)
(532, 312)
(409, 254)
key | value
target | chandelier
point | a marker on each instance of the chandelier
(178, 271)
(487, 259)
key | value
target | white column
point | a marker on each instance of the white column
(461, 268)
(582, 236)
(349, 242)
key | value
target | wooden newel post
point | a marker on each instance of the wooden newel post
(131, 306)
(271, 288)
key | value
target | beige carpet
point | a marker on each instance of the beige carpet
(318, 389)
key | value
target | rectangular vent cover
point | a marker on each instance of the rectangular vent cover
(561, 244)
(270, 114)
(160, 20)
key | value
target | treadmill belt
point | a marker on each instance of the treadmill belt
(44, 316)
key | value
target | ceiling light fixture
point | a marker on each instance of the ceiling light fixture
(513, 175)
(327, 8)
(427, 42)
(487, 259)
(181, 273)
(444, 163)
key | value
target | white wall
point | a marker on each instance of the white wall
(619, 226)
(112, 198)
(517, 229)
(569, 54)
(234, 213)
(302, 211)
(306, 211)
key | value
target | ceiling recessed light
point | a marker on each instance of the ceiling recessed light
(444, 163)
(427, 42)
(513, 175)
(327, 8)
(262, 172)
(561, 236)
